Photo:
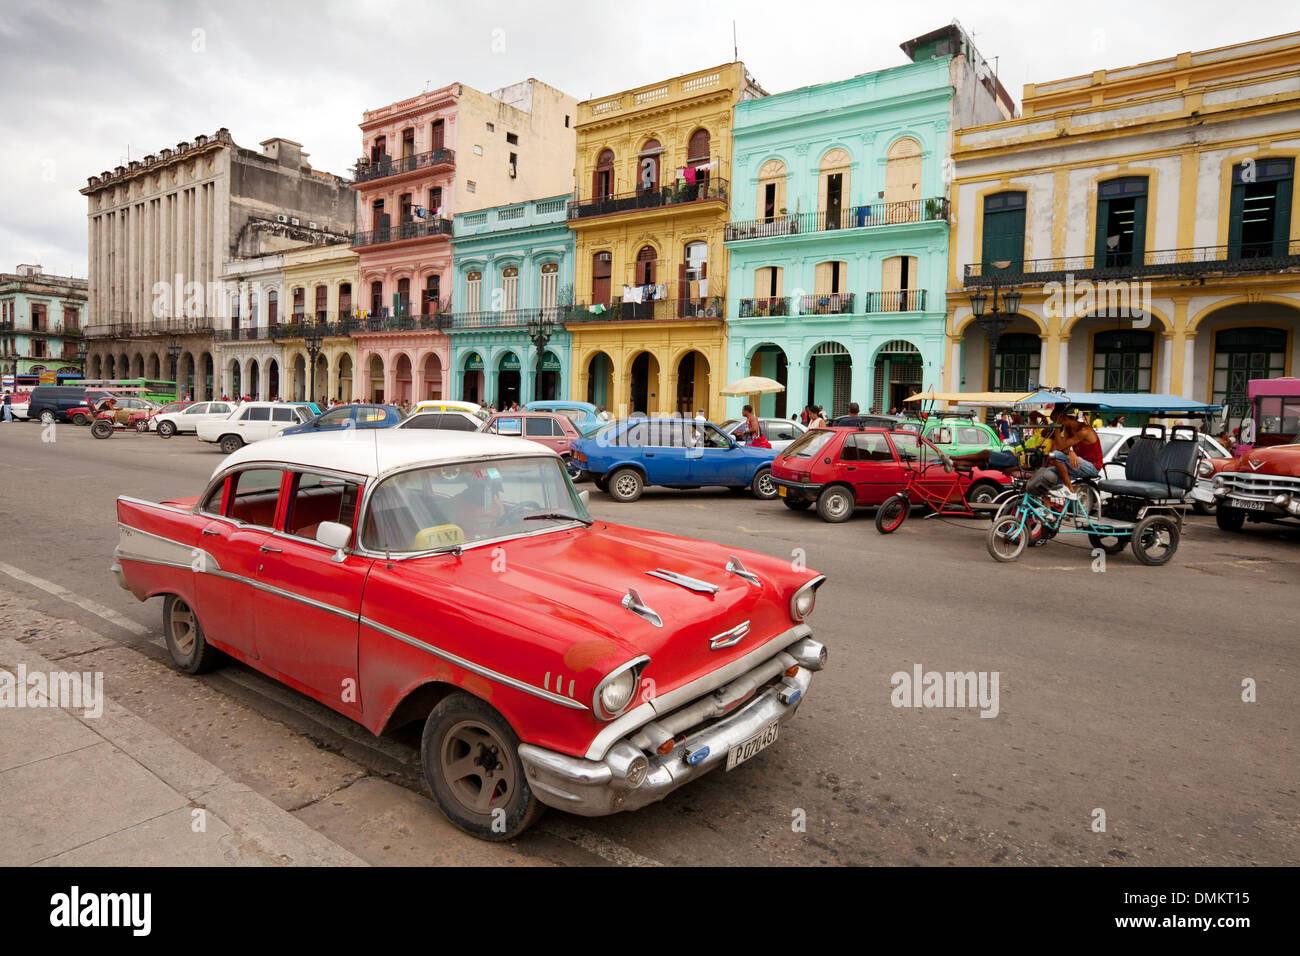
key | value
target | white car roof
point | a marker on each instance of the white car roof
(434, 404)
(374, 452)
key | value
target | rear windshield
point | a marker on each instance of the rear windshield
(809, 444)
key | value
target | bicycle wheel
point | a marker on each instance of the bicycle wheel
(1007, 539)
(891, 515)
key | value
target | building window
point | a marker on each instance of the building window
(299, 303)
(550, 292)
(566, 120)
(833, 189)
(1121, 221)
(404, 296)
(478, 150)
(376, 298)
(899, 283)
(1241, 355)
(601, 270)
(1259, 215)
(514, 165)
(646, 260)
(510, 289)
(1016, 365)
(471, 186)
(408, 142)
(602, 180)
(491, 127)
(1121, 361)
(71, 319)
(771, 189)
(1004, 233)
(435, 202)
(432, 294)
(512, 139)
(436, 135)
(322, 303)
(647, 173)
(272, 307)
(405, 205)
(903, 181)
(473, 292)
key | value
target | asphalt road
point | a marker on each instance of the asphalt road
(1120, 691)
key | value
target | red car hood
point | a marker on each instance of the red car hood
(1277, 460)
(570, 586)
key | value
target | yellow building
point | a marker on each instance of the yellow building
(652, 201)
(1148, 219)
(320, 302)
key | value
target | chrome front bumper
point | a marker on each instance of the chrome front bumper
(599, 787)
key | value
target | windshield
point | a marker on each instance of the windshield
(443, 506)
(808, 444)
(1108, 441)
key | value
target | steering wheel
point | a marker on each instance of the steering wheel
(514, 509)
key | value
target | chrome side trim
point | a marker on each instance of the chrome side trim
(152, 504)
(471, 666)
(691, 584)
(666, 703)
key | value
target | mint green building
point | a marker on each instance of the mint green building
(513, 268)
(838, 244)
(41, 321)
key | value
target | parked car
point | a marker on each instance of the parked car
(1261, 485)
(169, 421)
(779, 432)
(1115, 445)
(250, 422)
(625, 456)
(450, 405)
(867, 421)
(554, 430)
(840, 469)
(584, 415)
(18, 403)
(349, 416)
(955, 435)
(606, 667)
(59, 403)
(445, 420)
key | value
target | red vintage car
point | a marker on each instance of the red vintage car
(842, 468)
(1261, 485)
(457, 580)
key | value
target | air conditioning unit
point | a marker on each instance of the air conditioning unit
(312, 225)
(282, 218)
(293, 222)
(512, 170)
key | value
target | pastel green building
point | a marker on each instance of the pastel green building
(513, 270)
(41, 322)
(838, 245)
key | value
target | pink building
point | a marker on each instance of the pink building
(425, 158)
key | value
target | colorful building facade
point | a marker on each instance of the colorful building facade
(41, 322)
(513, 273)
(428, 157)
(652, 202)
(320, 287)
(839, 241)
(1147, 216)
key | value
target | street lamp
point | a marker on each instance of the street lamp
(312, 335)
(174, 351)
(540, 330)
(994, 323)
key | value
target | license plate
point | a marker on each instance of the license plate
(782, 490)
(1248, 504)
(760, 741)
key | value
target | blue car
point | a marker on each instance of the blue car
(584, 415)
(349, 416)
(625, 456)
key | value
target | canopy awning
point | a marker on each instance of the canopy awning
(971, 398)
(1137, 403)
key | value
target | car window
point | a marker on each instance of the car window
(365, 415)
(778, 431)
(867, 446)
(661, 433)
(336, 417)
(425, 420)
(575, 415)
(809, 444)
(260, 414)
(459, 423)
(285, 414)
(304, 413)
(507, 426)
(219, 408)
(539, 428)
(318, 498)
(970, 435)
(254, 492)
(199, 409)
(907, 444)
(212, 503)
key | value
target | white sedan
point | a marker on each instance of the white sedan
(186, 421)
(250, 422)
(781, 432)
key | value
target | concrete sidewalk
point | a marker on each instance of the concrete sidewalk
(78, 790)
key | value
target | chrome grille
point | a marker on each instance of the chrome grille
(1254, 487)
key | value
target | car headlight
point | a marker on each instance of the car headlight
(801, 605)
(1205, 469)
(616, 692)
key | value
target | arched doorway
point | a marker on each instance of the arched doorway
(898, 373)
(94, 367)
(432, 376)
(830, 378)
(137, 366)
(769, 361)
(253, 388)
(375, 387)
(644, 392)
(508, 379)
(1237, 344)
(549, 388)
(692, 384)
(184, 375)
(207, 376)
(236, 380)
(600, 380)
(153, 368)
(402, 381)
(344, 391)
(471, 381)
(299, 376)
(322, 385)
(273, 380)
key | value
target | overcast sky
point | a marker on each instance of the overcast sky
(83, 82)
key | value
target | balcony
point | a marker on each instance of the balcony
(1190, 263)
(711, 308)
(714, 189)
(504, 318)
(135, 328)
(412, 229)
(841, 303)
(366, 171)
(852, 217)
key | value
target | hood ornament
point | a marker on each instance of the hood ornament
(727, 638)
(1255, 464)
(735, 567)
(632, 601)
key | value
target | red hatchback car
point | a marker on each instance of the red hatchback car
(840, 469)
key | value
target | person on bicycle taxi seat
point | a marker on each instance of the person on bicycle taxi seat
(1077, 450)
(1016, 460)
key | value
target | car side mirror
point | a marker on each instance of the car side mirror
(584, 496)
(334, 535)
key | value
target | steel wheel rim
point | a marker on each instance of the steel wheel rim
(625, 486)
(1004, 543)
(478, 767)
(893, 515)
(765, 486)
(182, 626)
(1157, 541)
(837, 503)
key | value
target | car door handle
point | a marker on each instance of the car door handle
(267, 549)
(850, 467)
(649, 454)
(211, 531)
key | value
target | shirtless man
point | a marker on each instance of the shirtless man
(1078, 450)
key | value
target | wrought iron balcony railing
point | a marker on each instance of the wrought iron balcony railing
(850, 217)
(713, 308)
(411, 229)
(830, 303)
(843, 303)
(365, 171)
(1192, 262)
(672, 194)
(203, 325)
(505, 318)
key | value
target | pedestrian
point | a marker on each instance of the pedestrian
(699, 415)
(806, 417)
(853, 408)
(604, 415)
(1119, 421)
(816, 420)
(8, 403)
